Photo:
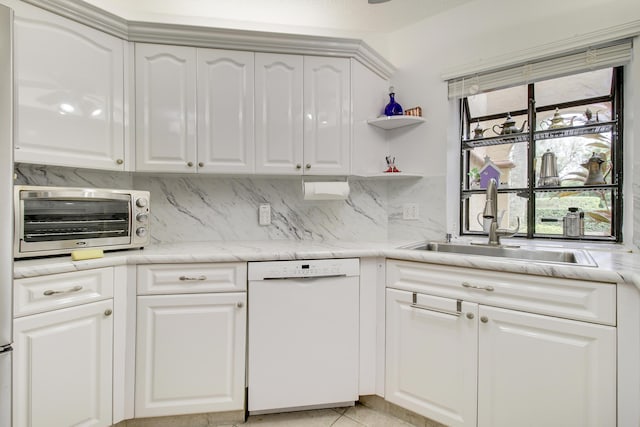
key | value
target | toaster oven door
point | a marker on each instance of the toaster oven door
(53, 221)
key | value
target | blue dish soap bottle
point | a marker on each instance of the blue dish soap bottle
(393, 108)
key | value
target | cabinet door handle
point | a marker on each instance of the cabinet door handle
(483, 288)
(66, 291)
(190, 164)
(484, 319)
(108, 312)
(457, 313)
(119, 161)
(308, 166)
(201, 164)
(185, 278)
(298, 166)
(240, 305)
(422, 307)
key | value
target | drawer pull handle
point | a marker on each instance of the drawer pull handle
(67, 291)
(470, 286)
(185, 278)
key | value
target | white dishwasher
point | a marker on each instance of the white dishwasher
(303, 334)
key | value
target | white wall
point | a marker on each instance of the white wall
(479, 33)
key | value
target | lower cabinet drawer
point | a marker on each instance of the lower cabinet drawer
(567, 298)
(156, 279)
(45, 293)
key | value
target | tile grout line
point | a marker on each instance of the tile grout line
(352, 419)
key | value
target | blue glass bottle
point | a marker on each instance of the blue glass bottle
(393, 108)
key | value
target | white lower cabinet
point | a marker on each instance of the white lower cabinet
(431, 357)
(63, 349)
(464, 361)
(544, 371)
(190, 352)
(63, 367)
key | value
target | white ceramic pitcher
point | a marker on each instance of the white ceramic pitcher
(486, 222)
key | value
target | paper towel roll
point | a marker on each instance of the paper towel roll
(325, 190)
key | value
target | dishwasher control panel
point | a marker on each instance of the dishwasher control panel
(303, 268)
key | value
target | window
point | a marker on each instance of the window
(556, 146)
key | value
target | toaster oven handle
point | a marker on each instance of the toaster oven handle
(70, 194)
(67, 291)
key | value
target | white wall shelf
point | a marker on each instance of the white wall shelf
(393, 122)
(390, 175)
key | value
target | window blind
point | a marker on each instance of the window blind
(589, 59)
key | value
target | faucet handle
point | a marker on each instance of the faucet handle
(509, 233)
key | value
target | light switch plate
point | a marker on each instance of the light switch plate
(264, 214)
(410, 211)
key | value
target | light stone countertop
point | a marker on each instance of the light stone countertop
(615, 263)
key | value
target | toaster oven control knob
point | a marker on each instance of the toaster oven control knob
(141, 232)
(142, 217)
(141, 202)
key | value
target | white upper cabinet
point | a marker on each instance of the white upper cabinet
(194, 110)
(303, 113)
(327, 115)
(225, 111)
(165, 108)
(69, 92)
(278, 110)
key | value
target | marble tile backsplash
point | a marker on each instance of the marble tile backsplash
(430, 195)
(201, 208)
(215, 208)
(28, 174)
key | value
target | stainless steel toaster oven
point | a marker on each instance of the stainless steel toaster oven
(58, 220)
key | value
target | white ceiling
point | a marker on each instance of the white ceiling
(321, 17)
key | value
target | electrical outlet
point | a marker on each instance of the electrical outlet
(264, 214)
(410, 211)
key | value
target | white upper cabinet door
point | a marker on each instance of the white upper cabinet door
(225, 111)
(278, 113)
(544, 371)
(70, 93)
(327, 116)
(165, 80)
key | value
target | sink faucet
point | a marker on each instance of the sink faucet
(491, 212)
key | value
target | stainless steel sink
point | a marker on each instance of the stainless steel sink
(559, 256)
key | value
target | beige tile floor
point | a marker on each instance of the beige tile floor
(356, 416)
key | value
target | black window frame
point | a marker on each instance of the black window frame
(529, 193)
